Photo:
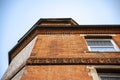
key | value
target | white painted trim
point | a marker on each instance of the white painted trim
(115, 45)
(93, 73)
(97, 34)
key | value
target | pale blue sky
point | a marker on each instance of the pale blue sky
(18, 16)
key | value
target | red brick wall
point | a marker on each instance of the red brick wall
(73, 31)
(63, 46)
(72, 45)
(56, 72)
(53, 45)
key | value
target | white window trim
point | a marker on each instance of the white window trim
(114, 45)
(97, 34)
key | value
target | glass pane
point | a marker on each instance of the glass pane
(99, 43)
(102, 49)
(110, 78)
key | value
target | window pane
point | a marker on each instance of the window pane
(99, 43)
(102, 49)
(110, 78)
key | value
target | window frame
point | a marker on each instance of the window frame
(94, 73)
(111, 40)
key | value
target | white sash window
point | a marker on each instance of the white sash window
(102, 45)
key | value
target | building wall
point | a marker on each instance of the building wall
(19, 75)
(56, 49)
(19, 61)
(64, 46)
(56, 72)
(60, 30)
(57, 46)
(68, 45)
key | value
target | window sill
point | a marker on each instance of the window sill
(102, 52)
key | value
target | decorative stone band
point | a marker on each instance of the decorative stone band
(73, 61)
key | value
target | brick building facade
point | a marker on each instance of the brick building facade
(60, 49)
